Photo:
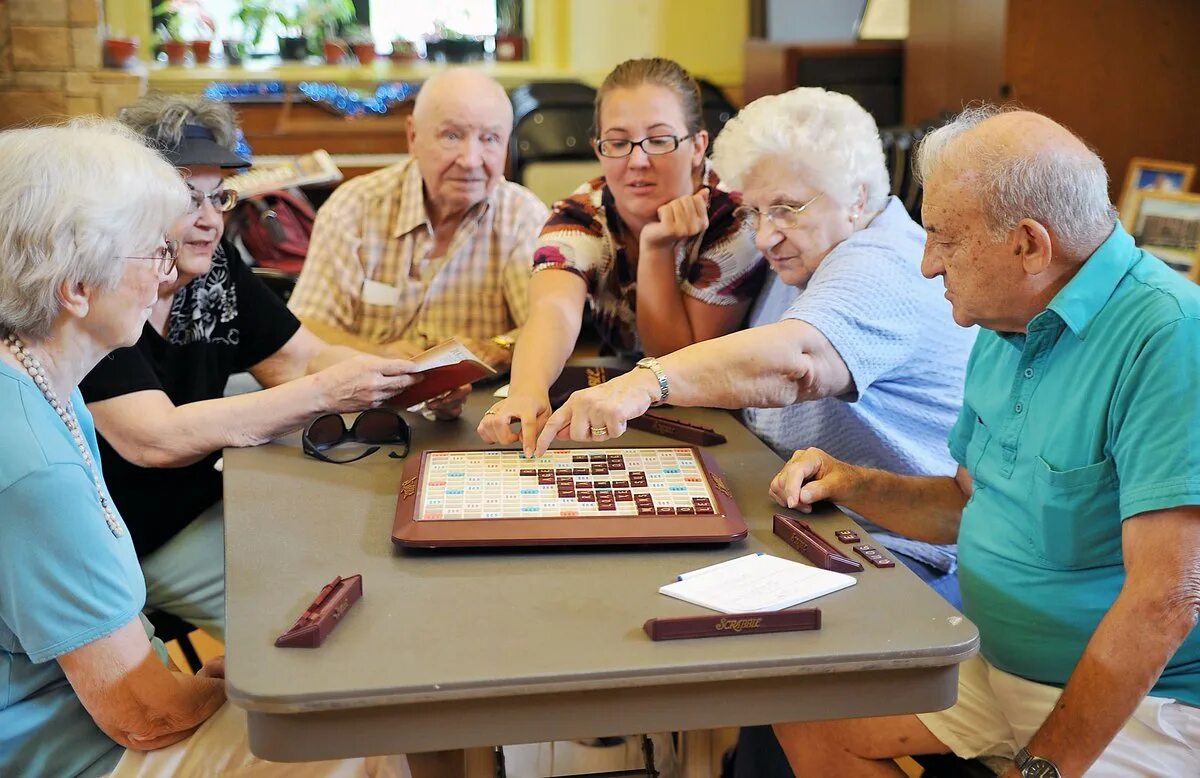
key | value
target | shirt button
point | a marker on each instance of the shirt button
(1029, 372)
(1018, 407)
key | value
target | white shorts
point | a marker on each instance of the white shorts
(997, 713)
(221, 747)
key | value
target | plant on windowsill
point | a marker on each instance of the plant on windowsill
(169, 33)
(448, 45)
(510, 35)
(361, 43)
(404, 50)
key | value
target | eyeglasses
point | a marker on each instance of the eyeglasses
(378, 425)
(164, 257)
(222, 199)
(653, 145)
(784, 217)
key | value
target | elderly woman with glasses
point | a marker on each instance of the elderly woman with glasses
(653, 245)
(86, 688)
(159, 406)
(856, 352)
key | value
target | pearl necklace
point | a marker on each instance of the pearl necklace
(67, 413)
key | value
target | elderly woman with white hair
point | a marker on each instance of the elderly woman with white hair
(86, 689)
(159, 406)
(856, 350)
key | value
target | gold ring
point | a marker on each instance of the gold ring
(599, 430)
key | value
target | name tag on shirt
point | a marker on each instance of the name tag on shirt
(375, 293)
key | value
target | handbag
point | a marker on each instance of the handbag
(275, 228)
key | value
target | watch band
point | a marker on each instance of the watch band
(651, 364)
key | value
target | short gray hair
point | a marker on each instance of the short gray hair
(161, 117)
(827, 133)
(1067, 193)
(75, 198)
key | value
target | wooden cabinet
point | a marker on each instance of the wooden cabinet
(1123, 74)
(869, 71)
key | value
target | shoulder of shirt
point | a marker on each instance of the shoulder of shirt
(383, 182)
(511, 195)
(894, 246)
(1159, 295)
(20, 438)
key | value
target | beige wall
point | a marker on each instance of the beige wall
(50, 55)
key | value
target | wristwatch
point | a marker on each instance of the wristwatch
(651, 364)
(1035, 766)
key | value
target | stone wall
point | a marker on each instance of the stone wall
(50, 63)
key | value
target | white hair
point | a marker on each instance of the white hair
(1064, 191)
(825, 134)
(76, 198)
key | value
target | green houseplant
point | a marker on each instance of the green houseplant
(169, 31)
(510, 32)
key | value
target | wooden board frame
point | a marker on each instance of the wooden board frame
(725, 525)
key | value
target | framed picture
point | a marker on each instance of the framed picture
(1158, 175)
(1167, 224)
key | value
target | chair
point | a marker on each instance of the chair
(899, 143)
(552, 151)
(527, 98)
(168, 627)
(278, 281)
(716, 108)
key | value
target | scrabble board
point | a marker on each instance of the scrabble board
(568, 496)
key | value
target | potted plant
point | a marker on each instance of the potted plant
(321, 19)
(334, 50)
(361, 43)
(404, 50)
(170, 32)
(448, 45)
(293, 43)
(510, 35)
(253, 16)
(119, 50)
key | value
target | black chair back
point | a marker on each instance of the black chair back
(716, 107)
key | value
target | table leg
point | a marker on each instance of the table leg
(479, 763)
(437, 764)
(695, 761)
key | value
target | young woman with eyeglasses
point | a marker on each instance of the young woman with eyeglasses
(653, 245)
(159, 405)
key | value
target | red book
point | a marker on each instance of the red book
(444, 367)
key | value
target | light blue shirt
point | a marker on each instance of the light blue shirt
(65, 581)
(1089, 419)
(893, 329)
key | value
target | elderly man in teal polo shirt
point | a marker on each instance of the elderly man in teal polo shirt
(1076, 506)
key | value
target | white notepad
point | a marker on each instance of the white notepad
(756, 582)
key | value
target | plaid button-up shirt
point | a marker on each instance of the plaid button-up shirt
(370, 273)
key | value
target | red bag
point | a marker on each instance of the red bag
(275, 228)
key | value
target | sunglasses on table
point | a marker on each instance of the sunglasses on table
(380, 426)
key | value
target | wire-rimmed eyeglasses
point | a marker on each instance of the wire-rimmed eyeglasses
(164, 257)
(222, 199)
(784, 217)
(653, 145)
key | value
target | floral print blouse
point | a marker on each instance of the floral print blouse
(584, 235)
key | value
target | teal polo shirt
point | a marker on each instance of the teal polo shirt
(1087, 420)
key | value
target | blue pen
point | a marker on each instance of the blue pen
(711, 568)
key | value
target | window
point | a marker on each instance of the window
(411, 19)
(390, 19)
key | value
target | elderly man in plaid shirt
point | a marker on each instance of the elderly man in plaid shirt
(435, 247)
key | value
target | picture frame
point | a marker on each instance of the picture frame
(1155, 175)
(1167, 224)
